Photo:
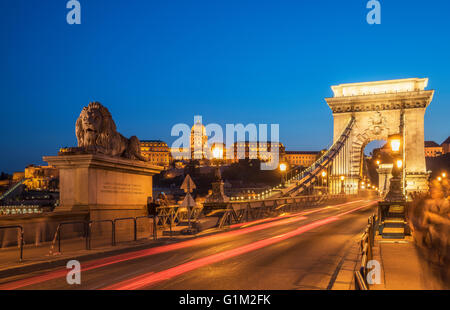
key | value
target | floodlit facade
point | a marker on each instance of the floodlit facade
(380, 109)
(432, 149)
(301, 158)
(156, 152)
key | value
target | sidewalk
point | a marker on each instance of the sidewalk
(402, 267)
(344, 279)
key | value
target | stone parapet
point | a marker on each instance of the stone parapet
(105, 186)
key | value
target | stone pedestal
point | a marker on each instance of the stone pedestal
(416, 182)
(217, 193)
(217, 200)
(384, 178)
(106, 187)
(381, 109)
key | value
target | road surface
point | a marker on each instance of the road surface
(294, 251)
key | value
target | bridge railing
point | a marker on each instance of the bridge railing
(21, 233)
(87, 230)
(366, 251)
(113, 231)
(58, 233)
(240, 211)
(171, 214)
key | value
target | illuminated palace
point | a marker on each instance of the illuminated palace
(301, 158)
(156, 152)
(198, 145)
(432, 149)
(37, 177)
(256, 150)
(199, 141)
(159, 153)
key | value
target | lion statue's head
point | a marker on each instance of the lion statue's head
(96, 133)
(95, 126)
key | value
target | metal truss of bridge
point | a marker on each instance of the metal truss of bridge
(380, 109)
(365, 112)
(12, 189)
(362, 112)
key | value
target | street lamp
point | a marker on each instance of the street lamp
(283, 168)
(324, 174)
(445, 188)
(342, 184)
(395, 141)
(217, 199)
(217, 153)
(395, 189)
(395, 196)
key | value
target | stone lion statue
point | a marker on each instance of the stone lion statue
(96, 133)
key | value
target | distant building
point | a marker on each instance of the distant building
(156, 152)
(222, 147)
(446, 146)
(199, 141)
(257, 150)
(432, 149)
(197, 148)
(17, 176)
(301, 158)
(183, 154)
(41, 177)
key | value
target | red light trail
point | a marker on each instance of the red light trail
(152, 278)
(144, 253)
(288, 215)
(266, 223)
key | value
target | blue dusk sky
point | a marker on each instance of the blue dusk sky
(158, 63)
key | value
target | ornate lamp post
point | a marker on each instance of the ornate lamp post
(217, 198)
(283, 168)
(217, 155)
(342, 184)
(391, 211)
(445, 188)
(395, 193)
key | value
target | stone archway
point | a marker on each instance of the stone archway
(380, 109)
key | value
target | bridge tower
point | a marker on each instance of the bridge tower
(380, 109)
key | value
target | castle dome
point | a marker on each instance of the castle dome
(198, 129)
